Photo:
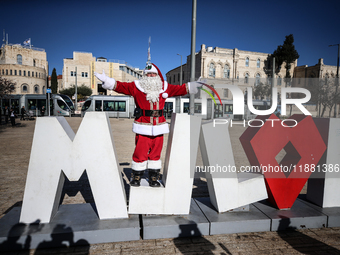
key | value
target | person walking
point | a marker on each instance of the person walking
(7, 114)
(23, 112)
(12, 117)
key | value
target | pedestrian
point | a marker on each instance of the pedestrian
(42, 111)
(23, 112)
(7, 114)
(12, 117)
(150, 93)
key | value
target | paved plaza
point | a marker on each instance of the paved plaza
(14, 159)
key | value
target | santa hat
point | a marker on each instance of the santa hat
(153, 69)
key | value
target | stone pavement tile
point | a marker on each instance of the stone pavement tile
(268, 244)
(141, 244)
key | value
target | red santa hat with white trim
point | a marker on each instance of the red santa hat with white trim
(153, 69)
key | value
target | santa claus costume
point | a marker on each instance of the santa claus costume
(150, 124)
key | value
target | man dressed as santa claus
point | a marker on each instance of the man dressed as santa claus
(150, 93)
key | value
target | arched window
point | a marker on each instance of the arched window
(33, 62)
(212, 70)
(19, 59)
(257, 79)
(226, 72)
(247, 62)
(24, 88)
(36, 89)
(258, 63)
(246, 76)
(43, 89)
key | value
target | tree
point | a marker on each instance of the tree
(82, 91)
(6, 88)
(287, 54)
(54, 82)
(262, 90)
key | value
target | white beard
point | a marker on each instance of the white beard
(152, 86)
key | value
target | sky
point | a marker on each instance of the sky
(120, 30)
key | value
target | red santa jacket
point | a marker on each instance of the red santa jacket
(146, 125)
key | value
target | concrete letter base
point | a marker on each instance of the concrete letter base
(233, 222)
(299, 216)
(57, 152)
(165, 226)
(76, 224)
(227, 189)
(180, 158)
(323, 188)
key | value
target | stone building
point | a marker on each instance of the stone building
(220, 66)
(82, 66)
(26, 66)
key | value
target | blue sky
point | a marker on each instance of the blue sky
(120, 29)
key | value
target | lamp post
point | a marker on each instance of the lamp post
(193, 49)
(178, 99)
(337, 81)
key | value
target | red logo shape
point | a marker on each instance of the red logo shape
(303, 145)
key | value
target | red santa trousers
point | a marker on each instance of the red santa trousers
(147, 152)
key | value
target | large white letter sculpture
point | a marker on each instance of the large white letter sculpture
(180, 159)
(227, 188)
(325, 191)
(57, 152)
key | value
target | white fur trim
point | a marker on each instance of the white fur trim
(165, 95)
(138, 166)
(150, 130)
(154, 164)
(152, 70)
(138, 86)
(165, 86)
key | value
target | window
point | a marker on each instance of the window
(86, 105)
(36, 89)
(247, 62)
(257, 80)
(15, 72)
(19, 59)
(226, 72)
(226, 92)
(24, 88)
(36, 74)
(43, 89)
(33, 63)
(71, 73)
(198, 108)
(6, 72)
(228, 108)
(82, 74)
(246, 78)
(85, 74)
(279, 81)
(24, 73)
(98, 105)
(32, 74)
(10, 72)
(119, 106)
(20, 72)
(258, 63)
(28, 73)
(212, 70)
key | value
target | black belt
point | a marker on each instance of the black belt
(148, 113)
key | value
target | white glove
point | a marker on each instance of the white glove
(194, 85)
(108, 83)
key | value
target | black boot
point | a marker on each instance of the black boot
(153, 177)
(136, 176)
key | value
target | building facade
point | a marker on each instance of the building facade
(220, 66)
(26, 66)
(80, 69)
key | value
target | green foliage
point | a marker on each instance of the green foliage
(262, 90)
(54, 81)
(82, 91)
(6, 87)
(286, 53)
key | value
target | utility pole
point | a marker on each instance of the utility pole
(75, 92)
(178, 99)
(193, 50)
(337, 82)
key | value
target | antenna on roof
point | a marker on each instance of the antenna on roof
(148, 63)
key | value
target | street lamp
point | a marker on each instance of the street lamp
(178, 99)
(337, 81)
